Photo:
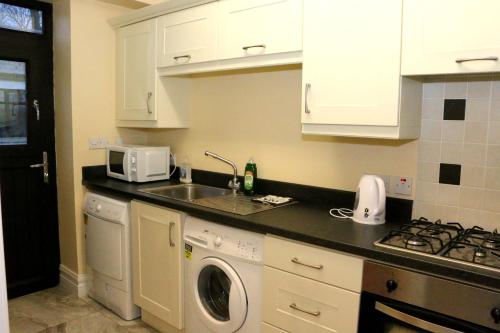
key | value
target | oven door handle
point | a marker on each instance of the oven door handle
(414, 321)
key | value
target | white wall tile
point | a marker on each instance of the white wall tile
(494, 132)
(495, 91)
(433, 90)
(489, 220)
(495, 110)
(471, 197)
(453, 131)
(427, 191)
(433, 108)
(474, 154)
(455, 90)
(492, 180)
(477, 109)
(428, 172)
(479, 89)
(431, 130)
(493, 156)
(469, 217)
(472, 175)
(491, 201)
(476, 132)
(424, 209)
(451, 152)
(429, 151)
(448, 195)
(447, 213)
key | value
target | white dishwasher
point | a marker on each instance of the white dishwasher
(107, 240)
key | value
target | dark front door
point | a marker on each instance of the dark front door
(27, 157)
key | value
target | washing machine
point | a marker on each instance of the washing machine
(223, 278)
(108, 247)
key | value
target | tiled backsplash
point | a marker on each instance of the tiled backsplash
(458, 176)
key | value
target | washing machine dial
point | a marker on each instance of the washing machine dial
(218, 241)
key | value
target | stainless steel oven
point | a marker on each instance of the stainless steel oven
(400, 300)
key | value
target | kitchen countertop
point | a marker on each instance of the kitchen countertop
(309, 223)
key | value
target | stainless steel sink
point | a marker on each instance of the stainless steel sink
(210, 197)
(187, 192)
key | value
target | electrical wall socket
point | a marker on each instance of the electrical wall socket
(98, 143)
(403, 185)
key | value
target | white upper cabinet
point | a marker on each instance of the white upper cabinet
(188, 36)
(258, 27)
(451, 36)
(136, 49)
(351, 71)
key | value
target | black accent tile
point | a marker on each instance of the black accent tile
(449, 173)
(454, 109)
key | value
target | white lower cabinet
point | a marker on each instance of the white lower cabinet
(157, 264)
(266, 328)
(309, 289)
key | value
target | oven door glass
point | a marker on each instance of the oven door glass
(116, 162)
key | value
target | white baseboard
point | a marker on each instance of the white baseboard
(77, 284)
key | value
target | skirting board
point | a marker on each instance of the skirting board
(77, 284)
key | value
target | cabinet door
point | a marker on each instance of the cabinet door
(438, 33)
(135, 71)
(257, 27)
(351, 62)
(157, 262)
(188, 36)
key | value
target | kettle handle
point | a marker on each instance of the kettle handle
(381, 195)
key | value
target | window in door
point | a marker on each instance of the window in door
(13, 106)
(20, 18)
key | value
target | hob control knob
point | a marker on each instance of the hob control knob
(391, 285)
(98, 208)
(495, 313)
(218, 241)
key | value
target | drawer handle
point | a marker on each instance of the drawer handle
(170, 228)
(312, 313)
(306, 98)
(245, 48)
(492, 58)
(187, 56)
(296, 260)
(147, 102)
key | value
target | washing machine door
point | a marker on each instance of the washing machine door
(220, 297)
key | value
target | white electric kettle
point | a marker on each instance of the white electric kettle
(369, 206)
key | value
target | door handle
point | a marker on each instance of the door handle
(36, 106)
(170, 239)
(306, 98)
(147, 102)
(45, 166)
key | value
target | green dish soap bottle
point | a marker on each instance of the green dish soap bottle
(250, 177)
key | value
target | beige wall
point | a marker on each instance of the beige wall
(257, 114)
(84, 66)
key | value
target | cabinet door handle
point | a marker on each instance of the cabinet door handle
(296, 260)
(306, 98)
(461, 60)
(147, 102)
(245, 48)
(312, 313)
(170, 229)
(187, 56)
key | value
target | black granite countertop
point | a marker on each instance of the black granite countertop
(307, 222)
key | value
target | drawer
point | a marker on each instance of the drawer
(297, 304)
(266, 328)
(316, 263)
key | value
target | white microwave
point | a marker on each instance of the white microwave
(138, 163)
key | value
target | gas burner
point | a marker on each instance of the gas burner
(415, 241)
(491, 243)
(480, 253)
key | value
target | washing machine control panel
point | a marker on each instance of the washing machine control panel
(236, 243)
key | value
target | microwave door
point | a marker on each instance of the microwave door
(116, 162)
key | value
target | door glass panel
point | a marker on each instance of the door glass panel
(21, 19)
(214, 287)
(13, 107)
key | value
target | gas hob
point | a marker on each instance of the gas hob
(448, 241)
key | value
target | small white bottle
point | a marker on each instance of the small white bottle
(185, 172)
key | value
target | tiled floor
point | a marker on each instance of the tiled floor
(56, 311)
